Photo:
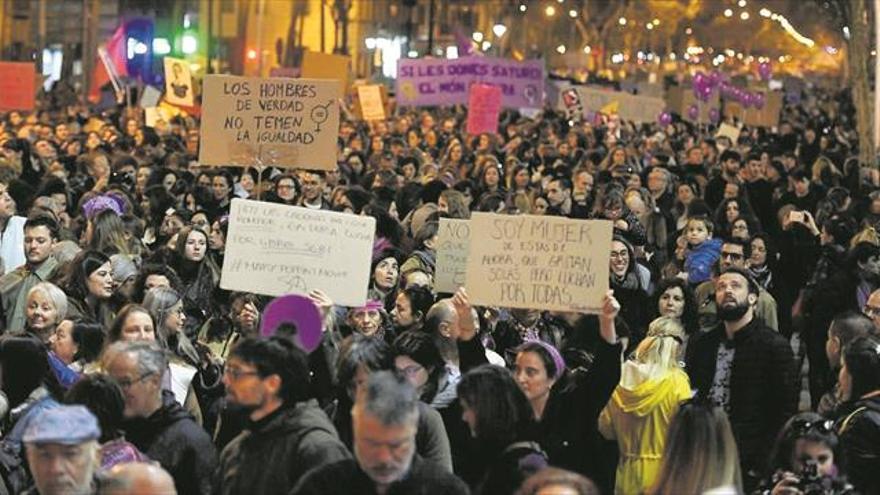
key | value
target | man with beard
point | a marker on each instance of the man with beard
(746, 368)
(287, 433)
(40, 234)
(384, 422)
(731, 161)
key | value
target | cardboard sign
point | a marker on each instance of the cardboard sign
(538, 262)
(178, 82)
(629, 107)
(252, 121)
(484, 106)
(284, 72)
(768, 116)
(149, 97)
(317, 65)
(446, 81)
(453, 241)
(729, 131)
(372, 105)
(17, 86)
(276, 249)
(679, 100)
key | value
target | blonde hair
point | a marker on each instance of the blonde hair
(867, 234)
(700, 453)
(660, 349)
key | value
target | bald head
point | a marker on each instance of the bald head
(441, 320)
(137, 478)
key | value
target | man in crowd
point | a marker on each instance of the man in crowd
(136, 478)
(734, 253)
(845, 328)
(731, 161)
(287, 434)
(313, 190)
(61, 444)
(559, 197)
(745, 368)
(872, 308)
(40, 235)
(384, 420)
(154, 422)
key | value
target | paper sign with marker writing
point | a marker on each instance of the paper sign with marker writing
(538, 262)
(17, 86)
(484, 106)
(370, 98)
(453, 240)
(178, 82)
(275, 249)
(729, 131)
(251, 121)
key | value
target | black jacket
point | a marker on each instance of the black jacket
(763, 385)
(171, 437)
(860, 443)
(568, 430)
(271, 455)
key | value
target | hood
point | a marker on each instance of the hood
(642, 389)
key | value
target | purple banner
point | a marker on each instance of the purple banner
(446, 82)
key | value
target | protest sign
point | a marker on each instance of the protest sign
(571, 102)
(729, 131)
(248, 121)
(149, 97)
(484, 106)
(276, 249)
(538, 262)
(680, 99)
(284, 72)
(446, 81)
(453, 240)
(767, 116)
(629, 107)
(178, 82)
(17, 86)
(371, 102)
(317, 65)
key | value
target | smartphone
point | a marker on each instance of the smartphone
(796, 216)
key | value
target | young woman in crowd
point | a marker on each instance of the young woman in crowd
(89, 286)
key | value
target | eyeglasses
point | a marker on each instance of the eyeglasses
(411, 371)
(236, 373)
(733, 256)
(126, 383)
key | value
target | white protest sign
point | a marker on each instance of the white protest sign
(729, 131)
(630, 107)
(538, 262)
(372, 104)
(453, 240)
(282, 122)
(150, 97)
(178, 82)
(276, 249)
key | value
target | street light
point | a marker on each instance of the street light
(477, 36)
(550, 11)
(499, 30)
(744, 15)
(522, 7)
(572, 13)
(622, 21)
(728, 12)
(561, 49)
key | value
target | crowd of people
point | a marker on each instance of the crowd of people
(738, 270)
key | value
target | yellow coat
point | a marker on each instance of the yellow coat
(638, 416)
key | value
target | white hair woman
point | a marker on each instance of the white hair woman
(652, 385)
(45, 307)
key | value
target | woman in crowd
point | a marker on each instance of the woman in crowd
(199, 275)
(630, 282)
(45, 307)
(385, 277)
(89, 286)
(652, 385)
(700, 453)
(410, 308)
(28, 384)
(502, 422)
(675, 299)
(78, 345)
(554, 481)
(859, 421)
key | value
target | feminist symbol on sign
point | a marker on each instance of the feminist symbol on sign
(320, 114)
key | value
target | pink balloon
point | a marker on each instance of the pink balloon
(758, 100)
(764, 70)
(748, 99)
(715, 77)
(714, 115)
(693, 112)
(664, 119)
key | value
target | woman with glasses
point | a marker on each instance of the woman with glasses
(652, 385)
(805, 454)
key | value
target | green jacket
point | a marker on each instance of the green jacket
(14, 287)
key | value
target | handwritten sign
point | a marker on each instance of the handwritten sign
(538, 262)
(290, 123)
(729, 131)
(276, 249)
(629, 107)
(446, 81)
(178, 82)
(317, 65)
(372, 105)
(453, 241)
(484, 106)
(17, 86)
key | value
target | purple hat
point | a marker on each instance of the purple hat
(100, 203)
(67, 425)
(554, 355)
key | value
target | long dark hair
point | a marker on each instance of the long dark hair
(503, 413)
(689, 317)
(25, 363)
(808, 426)
(83, 265)
(421, 348)
(862, 361)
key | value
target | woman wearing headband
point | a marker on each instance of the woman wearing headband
(652, 385)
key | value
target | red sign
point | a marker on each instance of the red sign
(17, 86)
(483, 108)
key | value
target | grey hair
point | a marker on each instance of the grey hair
(159, 301)
(56, 295)
(389, 398)
(151, 359)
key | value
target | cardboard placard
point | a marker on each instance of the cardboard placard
(317, 65)
(371, 102)
(629, 107)
(276, 249)
(768, 116)
(437, 81)
(178, 82)
(17, 86)
(484, 106)
(538, 262)
(284, 72)
(252, 121)
(729, 131)
(453, 241)
(679, 99)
